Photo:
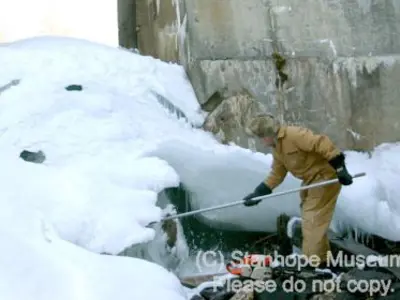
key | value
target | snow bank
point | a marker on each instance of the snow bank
(371, 205)
(36, 264)
(96, 185)
(97, 189)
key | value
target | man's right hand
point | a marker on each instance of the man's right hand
(261, 190)
(341, 171)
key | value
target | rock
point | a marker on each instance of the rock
(209, 292)
(228, 120)
(12, 83)
(357, 275)
(171, 230)
(284, 242)
(329, 296)
(344, 296)
(172, 108)
(34, 157)
(196, 280)
(222, 295)
(74, 87)
(242, 294)
(197, 297)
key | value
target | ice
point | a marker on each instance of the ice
(371, 204)
(157, 250)
(227, 173)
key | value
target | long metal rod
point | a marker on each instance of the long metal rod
(306, 187)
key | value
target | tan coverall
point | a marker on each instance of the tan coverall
(305, 154)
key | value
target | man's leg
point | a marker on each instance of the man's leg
(317, 211)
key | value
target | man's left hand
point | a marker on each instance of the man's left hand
(344, 176)
(339, 165)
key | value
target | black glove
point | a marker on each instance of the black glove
(339, 165)
(261, 190)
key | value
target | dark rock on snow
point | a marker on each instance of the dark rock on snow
(34, 157)
(9, 85)
(74, 87)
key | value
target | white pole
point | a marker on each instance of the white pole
(306, 187)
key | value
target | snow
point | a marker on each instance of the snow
(37, 264)
(97, 189)
(158, 250)
(371, 204)
(110, 150)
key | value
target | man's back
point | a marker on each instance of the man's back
(304, 153)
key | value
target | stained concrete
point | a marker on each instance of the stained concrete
(342, 61)
(127, 23)
(357, 111)
(157, 24)
(248, 29)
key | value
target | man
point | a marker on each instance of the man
(312, 158)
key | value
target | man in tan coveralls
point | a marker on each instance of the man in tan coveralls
(311, 158)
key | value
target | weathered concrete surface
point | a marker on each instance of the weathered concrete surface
(357, 111)
(344, 28)
(342, 63)
(228, 29)
(247, 29)
(127, 23)
(158, 25)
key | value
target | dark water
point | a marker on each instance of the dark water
(199, 236)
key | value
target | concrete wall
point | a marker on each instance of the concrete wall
(87, 19)
(127, 30)
(158, 26)
(342, 61)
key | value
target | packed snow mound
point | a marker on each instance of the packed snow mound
(96, 190)
(372, 204)
(96, 186)
(33, 255)
(47, 60)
